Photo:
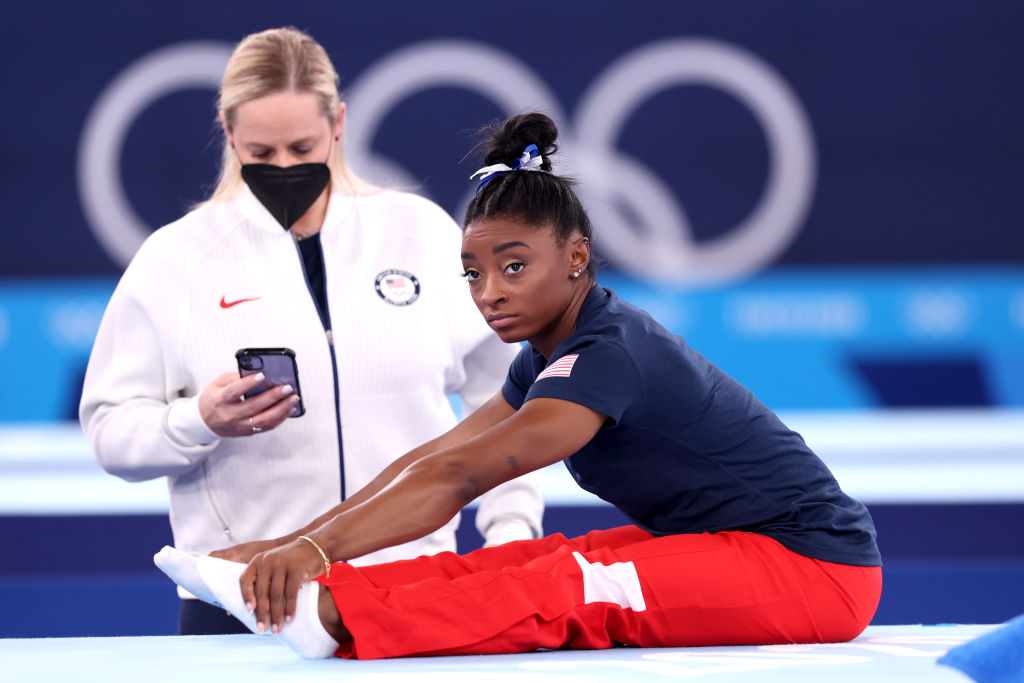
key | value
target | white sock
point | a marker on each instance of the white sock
(222, 578)
(181, 567)
(305, 633)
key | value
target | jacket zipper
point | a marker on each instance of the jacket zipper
(213, 505)
(325, 319)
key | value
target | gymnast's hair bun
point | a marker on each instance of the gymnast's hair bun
(511, 137)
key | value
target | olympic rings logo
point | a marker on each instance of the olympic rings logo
(665, 251)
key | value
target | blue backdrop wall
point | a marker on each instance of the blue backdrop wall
(824, 198)
(834, 184)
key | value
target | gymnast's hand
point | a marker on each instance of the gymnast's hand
(244, 552)
(226, 413)
(272, 580)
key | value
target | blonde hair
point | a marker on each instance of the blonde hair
(275, 60)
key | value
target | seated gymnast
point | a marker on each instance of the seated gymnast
(740, 535)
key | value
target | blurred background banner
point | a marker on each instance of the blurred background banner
(822, 197)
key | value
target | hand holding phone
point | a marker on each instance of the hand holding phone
(277, 365)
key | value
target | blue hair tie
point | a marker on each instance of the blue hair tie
(530, 160)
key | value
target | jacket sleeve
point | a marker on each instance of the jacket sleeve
(138, 423)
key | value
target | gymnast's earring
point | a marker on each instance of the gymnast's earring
(577, 273)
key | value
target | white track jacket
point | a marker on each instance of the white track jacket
(227, 276)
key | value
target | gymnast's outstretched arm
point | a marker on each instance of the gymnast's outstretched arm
(419, 493)
(486, 416)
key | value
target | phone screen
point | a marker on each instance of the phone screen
(277, 365)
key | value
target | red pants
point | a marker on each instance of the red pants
(620, 586)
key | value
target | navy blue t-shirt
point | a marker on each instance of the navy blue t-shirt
(687, 449)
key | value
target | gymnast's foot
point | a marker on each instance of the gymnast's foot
(181, 567)
(304, 634)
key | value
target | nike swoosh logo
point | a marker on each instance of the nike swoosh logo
(229, 304)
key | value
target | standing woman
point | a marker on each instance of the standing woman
(290, 251)
(740, 533)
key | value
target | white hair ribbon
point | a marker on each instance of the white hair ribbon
(530, 160)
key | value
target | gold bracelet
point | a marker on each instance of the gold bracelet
(327, 563)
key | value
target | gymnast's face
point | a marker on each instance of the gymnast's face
(284, 129)
(520, 277)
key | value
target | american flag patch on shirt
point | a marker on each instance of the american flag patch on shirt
(560, 368)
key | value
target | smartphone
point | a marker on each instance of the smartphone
(279, 367)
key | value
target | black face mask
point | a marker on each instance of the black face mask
(286, 191)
